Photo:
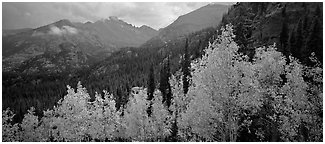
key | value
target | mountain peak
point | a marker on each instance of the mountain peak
(145, 27)
(63, 22)
(114, 18)
(88, 22)
(58, 24)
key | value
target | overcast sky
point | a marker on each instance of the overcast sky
(31, 15)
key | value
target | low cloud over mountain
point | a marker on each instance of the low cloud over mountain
(32, 15)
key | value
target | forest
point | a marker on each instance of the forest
(238, 81)
(222, 96)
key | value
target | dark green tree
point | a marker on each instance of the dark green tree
(299, 41)
(292, 42)
(164, 86)
(151, 83)
(151, 88)
(169, 88)
(186, 64)
(305, 25)
(318, 12)
(314, 42)
(284, 35)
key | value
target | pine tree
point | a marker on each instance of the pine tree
(305, 25)
(186, 64)
(314, 42)
(292, 41)
(164, 86)
(299, 41)
(168, 90)
(151, 88)
(240, 36)
(151, 83)
(284, 34)
(318, 12)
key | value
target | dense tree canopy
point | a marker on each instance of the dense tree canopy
(268, 98)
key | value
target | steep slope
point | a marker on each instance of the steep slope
(204, 17)
(130, 66)
(95, 41)
(6, 32)
(116, 33)
(261, 24)
(48, 40)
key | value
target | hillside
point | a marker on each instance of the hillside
(130, 66)
(92, 41)
(6, 32)
(119, 72)
(204, 17)
(258, 24)
(229, 99)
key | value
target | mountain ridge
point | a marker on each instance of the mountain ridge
(95, 40)
(203, 17)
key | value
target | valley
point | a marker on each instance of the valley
(257, 65)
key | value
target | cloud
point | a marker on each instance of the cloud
(57, 31)
(64, 30)
(36, 33)
(153, 14)
(70, 30)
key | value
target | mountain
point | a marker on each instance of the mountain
(170, 40)
(262, 24)
(53, 56)
(204, 17)
(129, 67)
(33, 50)
(6, 32)
(117, 33)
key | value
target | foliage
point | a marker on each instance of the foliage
(186, 63)
(10, 131)
(223, 88)
(164, 85)
(271, 97)
(229, 94)
(138, 125)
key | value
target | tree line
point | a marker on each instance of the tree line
(229, 97)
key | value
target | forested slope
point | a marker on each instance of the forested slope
(228, 98)
(255, 25)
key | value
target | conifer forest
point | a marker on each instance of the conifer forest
(222, 72)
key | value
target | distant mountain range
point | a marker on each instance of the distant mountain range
(108, 54)
(169, 41)
(115, 56)
(204, 17)
(64, 46)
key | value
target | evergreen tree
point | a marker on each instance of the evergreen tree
(164, 86)
(292, 41)
(151, 83)
(168, 90)
(305, 25)
(299, 41)
(318, 12)
(151, 88)
(186, 64)
(284, 11)
(240, 36)
(284, 34)
(314, 42)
